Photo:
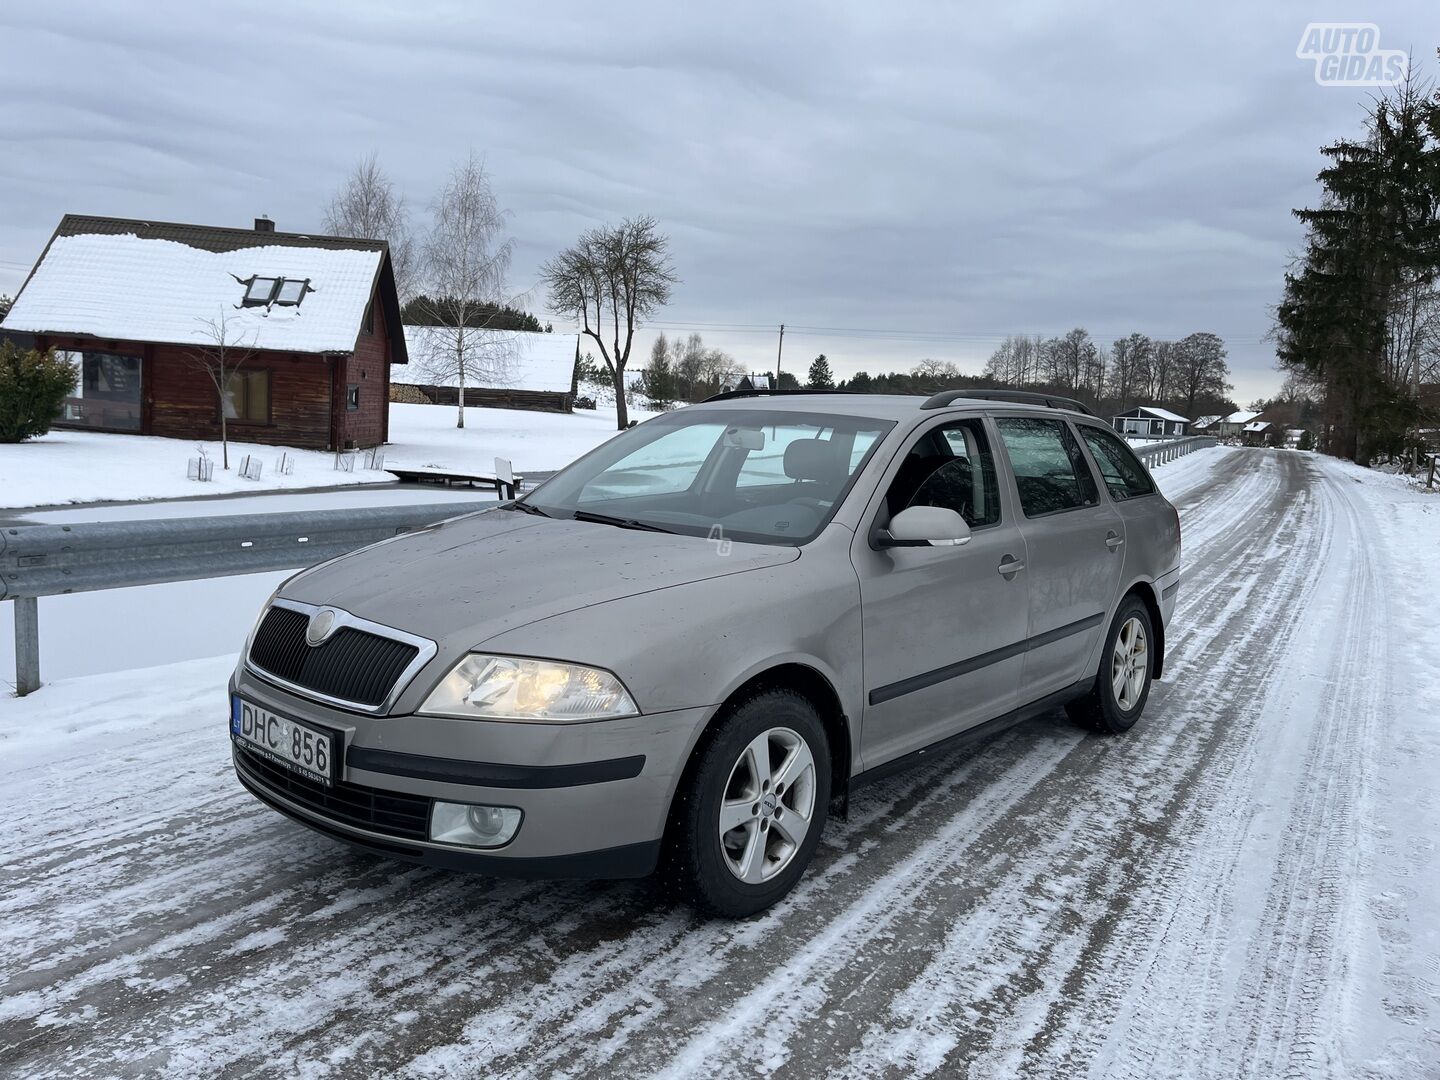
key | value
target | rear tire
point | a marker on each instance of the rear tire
(1122, 685)
(741, 843)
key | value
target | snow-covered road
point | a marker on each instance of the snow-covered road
(1243, 885)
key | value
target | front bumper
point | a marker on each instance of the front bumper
(595, 796)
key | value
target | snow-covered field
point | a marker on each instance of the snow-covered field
(1243, 885)
(82, 466)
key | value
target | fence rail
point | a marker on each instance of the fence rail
(50, 560)
(1160, 452)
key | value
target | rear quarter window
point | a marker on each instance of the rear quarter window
(1125, 477)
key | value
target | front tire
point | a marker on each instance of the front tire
(757, 801)
(1122, 685)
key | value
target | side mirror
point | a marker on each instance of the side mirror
(925, 526)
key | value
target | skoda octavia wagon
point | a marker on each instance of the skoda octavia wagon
(691, 643)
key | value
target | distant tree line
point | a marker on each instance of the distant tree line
(681, 371)
(1190, 376)
(478, 314)
(1359, 321)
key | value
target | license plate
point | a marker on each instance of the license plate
(310, 751)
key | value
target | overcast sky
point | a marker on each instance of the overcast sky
(893, 181)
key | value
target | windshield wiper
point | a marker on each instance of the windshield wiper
(618, 522)
(526, 508)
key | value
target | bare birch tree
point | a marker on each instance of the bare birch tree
(368, 206)
(224, 353)
(467, 261)
(610, 280)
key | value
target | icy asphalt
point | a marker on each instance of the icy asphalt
(1244, 885)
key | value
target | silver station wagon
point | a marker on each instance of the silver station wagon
(690, 646)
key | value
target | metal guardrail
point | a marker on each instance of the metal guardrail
(50, 560)
(1161, 452)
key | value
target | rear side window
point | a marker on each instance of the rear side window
(1050, 471)
(1125, 477)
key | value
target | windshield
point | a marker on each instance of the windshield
(761, 476)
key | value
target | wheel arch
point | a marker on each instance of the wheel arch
(1145, 592)
(793, 675)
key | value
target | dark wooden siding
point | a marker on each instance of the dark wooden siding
(485, 398)
(369, 369)
(180, 401)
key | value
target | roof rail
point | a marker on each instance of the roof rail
(727, 395)
(1020, 397)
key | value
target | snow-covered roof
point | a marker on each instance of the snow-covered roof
(1160, 414)
(134, 281)
(495, 359)
(1258, 425)
(1206, 421)
(1241, 416)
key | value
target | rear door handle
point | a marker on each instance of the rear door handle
(1009, 565)
(1112, 541)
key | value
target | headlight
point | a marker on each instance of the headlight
(510, 688)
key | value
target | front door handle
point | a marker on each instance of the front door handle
(1113, 541)
(1010, 565)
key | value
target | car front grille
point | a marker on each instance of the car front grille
(353, 665)
(392, 813)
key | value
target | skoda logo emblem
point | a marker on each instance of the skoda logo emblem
(321, 626)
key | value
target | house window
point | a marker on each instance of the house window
(260, 290)
(291, 291)
(247, 397)
(265, 291)
(352, 397)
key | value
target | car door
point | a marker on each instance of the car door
(1074, 542)
(944, 627)
(1152, 531)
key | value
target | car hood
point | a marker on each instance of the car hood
(477, 576)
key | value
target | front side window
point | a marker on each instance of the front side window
(247, 397)
(952, 467)
(753, 475)
(352, 397)
(1124, 476)
(1050, 471)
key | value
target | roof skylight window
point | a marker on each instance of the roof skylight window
(260, 290)
(268, 291)
(291, 291)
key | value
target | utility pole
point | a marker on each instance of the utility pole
(779, 349)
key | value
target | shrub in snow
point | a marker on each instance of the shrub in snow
(33, 389)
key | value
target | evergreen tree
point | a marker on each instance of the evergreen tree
(1375, 234)
(820, 377)
(786, 381)
(33, 389)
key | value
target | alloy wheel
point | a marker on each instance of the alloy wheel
(1129, 664)
(768, 805)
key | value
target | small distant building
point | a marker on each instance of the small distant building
(134, 305)
(1257, 432)
(1149, 422)
(752, 381)
(1203, 424)
(505, 369)
(1232, 426)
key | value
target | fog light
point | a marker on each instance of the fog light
(473, 826)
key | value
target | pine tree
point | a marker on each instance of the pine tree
(1376, 233)
(821, 378)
